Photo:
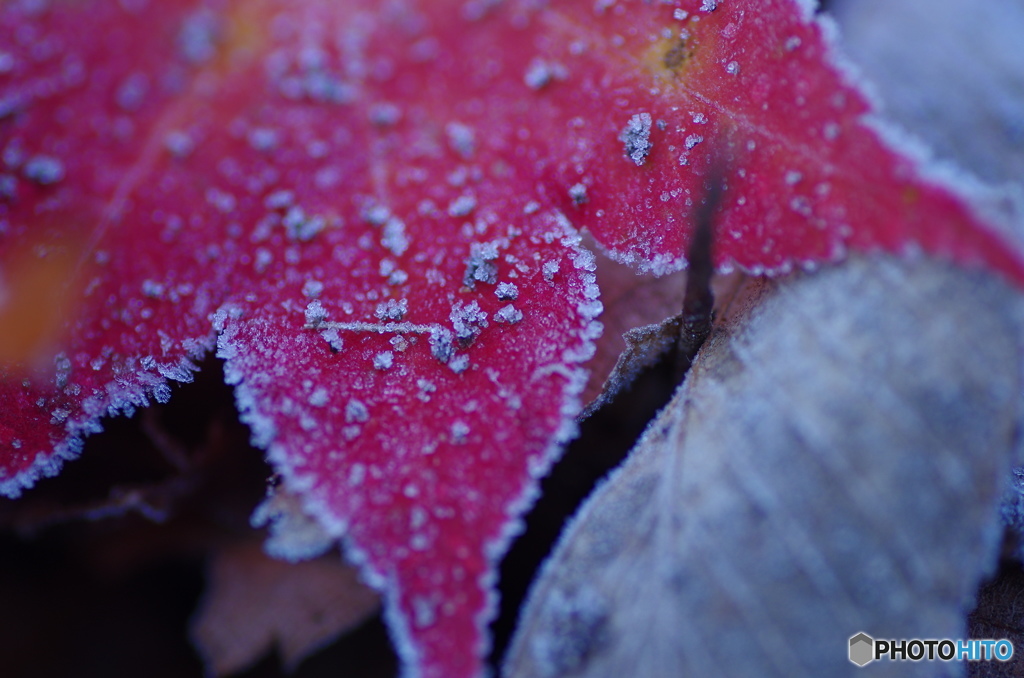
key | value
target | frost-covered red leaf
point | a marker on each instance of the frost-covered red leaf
(368, 207)
(404, 339)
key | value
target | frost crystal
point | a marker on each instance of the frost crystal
(131, 94)
(376, 214)
(263, 139)
(709, 5)
(179, 144)
(319, 397)
(441, 345)
(636, 137)
(468, 321)
(385, 114)
(394, 238)
(300, 226)
(459, 431)
(384, 360)
(392, 309)
(578, 193)
(462, 206)
(316, 314)
(480, 266)
(426, 387)
(44, 170)
(541, 73)
(461, 139)
(197, 39)
(312, 289)
(459, 364)
(549, 269)
(356, 412)
(332, 337)
(507, 291)
(509, 314)
(8, 187)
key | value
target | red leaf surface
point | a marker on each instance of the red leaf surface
(347, 192)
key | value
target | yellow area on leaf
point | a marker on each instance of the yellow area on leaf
(35, 291)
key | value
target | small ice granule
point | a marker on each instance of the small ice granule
(312, 289)
(468, 320)
(333, 337)
(152, 289)
(222, 200)
(541, 73)
(131, 94)
(179, 144)
(319, 397)
(459, 431)
(263, 139)
(43, 170)
(426, 388)
(509, 314)
(392, 309)
(578, 193)
(384, 360)
(549, 269)
(507, 291)
(316, 314)
(461, 139)
(8, 187)
(279, 200)
(393, 237)
(301, 227)
(199, 35)
(385, 114)
(459, 364)
(462, 206)
(356, 412)
(636, 138)
(376, 214)
(441, 345)
(480, 266)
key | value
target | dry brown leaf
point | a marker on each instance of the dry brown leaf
(639, 320)
(254, 602)
(630, 300)
(832, 465)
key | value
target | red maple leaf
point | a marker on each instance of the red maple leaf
(371, 209)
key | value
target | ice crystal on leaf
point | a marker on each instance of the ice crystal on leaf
(273, 179)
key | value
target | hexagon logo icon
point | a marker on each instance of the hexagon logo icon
(862, 649)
